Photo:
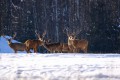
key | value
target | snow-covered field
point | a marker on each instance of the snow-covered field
(58, 66)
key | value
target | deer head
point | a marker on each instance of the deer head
(34, 44)
(74, 43)
(71, 35)
(40, 37)
(10, 39)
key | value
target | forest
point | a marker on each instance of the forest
(97, 21)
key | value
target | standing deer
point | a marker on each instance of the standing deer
(56, 47)
(15, 46)
(53, 47)
(76, 44)
(34, 44)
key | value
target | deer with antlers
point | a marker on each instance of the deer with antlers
(34, 44)
(76, 44)
(15, 46)
(53, 47)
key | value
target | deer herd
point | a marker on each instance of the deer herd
(72, 46)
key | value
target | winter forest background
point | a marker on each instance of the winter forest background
(97, 20)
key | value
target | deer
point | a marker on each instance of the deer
(56, 47)
(15, 46)
(35, 43)
(76, 44)
(51, 47)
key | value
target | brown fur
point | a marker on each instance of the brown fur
(75, 44)
(33, 44)
(53, 47)
(80, 44)
(18, 47)
(70, 45)
(65, 47)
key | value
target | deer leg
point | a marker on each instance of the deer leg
(61, 51)
(73, 50)
(15, 51)
(51, 51)
(48, 51)
(77, 50)
(35, 50)
(28, 50)
(85, 50)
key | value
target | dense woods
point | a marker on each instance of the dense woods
(98, 21)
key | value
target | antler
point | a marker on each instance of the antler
(76, 32)
(44, 33)
(67, 31)
(38, 35)
(14, 35)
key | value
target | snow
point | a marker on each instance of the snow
(119, 26)
(58, 66)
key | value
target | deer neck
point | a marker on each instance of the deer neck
(9, 43)
(40, 42)
(70, 42)
(46, 46)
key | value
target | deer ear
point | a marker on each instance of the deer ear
(44, 33)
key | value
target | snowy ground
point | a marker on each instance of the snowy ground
(59, 66)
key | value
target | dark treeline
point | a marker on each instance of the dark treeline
(97, 20)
